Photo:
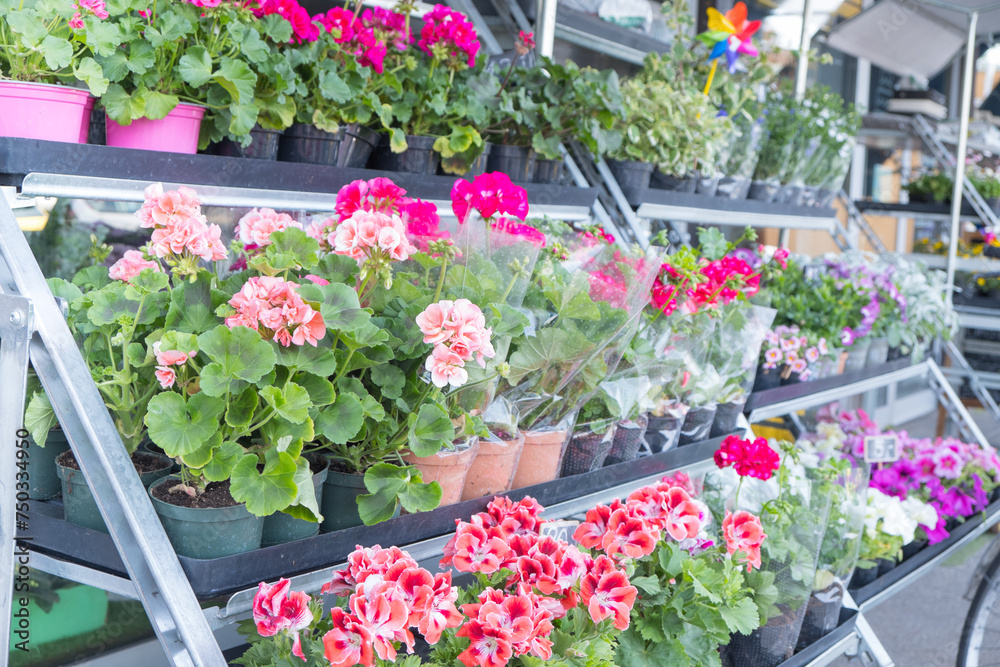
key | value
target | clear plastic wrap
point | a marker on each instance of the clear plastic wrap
(492, 471)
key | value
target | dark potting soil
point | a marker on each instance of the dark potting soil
(318, 463)
(502, 434)
(143, 462)
(216, 495)
(339, 466)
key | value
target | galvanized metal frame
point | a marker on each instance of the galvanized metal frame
(149, 558)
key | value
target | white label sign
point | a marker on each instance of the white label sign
(560, 530)
(881, 448)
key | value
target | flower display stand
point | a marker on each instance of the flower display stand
(136, 560)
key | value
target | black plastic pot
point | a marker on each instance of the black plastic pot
(767, 378)
(478, 165)
(731, 187)
(767, 646)
(97, 134)
(697, 425)
(895, 352)
(824, 197)
(418, 158)
(628, 440)
(661, 181)
(586, 451)
(633, 178)
(920, 198)
(707, 185)
(793, 378)
(518, 162)
(911, 549)
(662, 433)
(762, 191)
(726, 415)
(821, 616)
(789, 194)
(863, 577)
(263, 145)
(885, 566)
(306, 143)
(548, 171)
(356, 146)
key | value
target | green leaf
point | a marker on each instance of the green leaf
(88, 71)
(237, 354)
(158, 105)
(304, 506)
(237, 78)
(147, 282)
(389, 485)
(57, 52)
(180, 427)
(30, 27)
(373, 408)
(241, 409)
(742, 618)
(333, 88)
(321, 391)
(430, 430)
(390, 378)
(39, 418)
(277, 28)
(111, 306)
(195, 66)
(288, 436)
(633, 651)
(339, 306)
(201, 456)
(291, 403)
(397, 140)
(191, 308)
(103, 39)
(122, 107)
(713, 243)
(268, 491)
(242, 118)
(340, 423)
(224, 459)
(649, 584)
(254, 48)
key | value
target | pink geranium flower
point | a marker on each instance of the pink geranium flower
(609, 595)
(349, 642)
(744, 533)
(130, 265)
(256, 227)
(278, 609)
(273, 307)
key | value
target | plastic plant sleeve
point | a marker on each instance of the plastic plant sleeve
(681, 345)
(735, 347)
(794, 516)
(743, 148)
(583, 312)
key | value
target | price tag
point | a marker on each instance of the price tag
(881, 448)
(560, 530)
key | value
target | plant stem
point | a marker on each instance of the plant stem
(444, 269)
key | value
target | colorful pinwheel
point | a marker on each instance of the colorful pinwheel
(730, 34)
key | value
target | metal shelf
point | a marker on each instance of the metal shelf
(970, 317)
(683, 207)
(82, 171)
(596, 34)
(970, 264)
(915, 210)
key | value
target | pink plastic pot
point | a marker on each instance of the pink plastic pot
(43, 111)
(177, 133)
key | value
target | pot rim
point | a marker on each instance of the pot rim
(195, 514)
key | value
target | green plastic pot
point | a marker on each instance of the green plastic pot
(79, 505)
(210, 532)
(340, 504)
(280, 527)
(43, 481)
(80, 610)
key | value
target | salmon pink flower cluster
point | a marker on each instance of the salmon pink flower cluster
(789, 347)
(132, 263)
(749, 458)
(446, 34)
(181, 234)
(255, 228)
(458, 332)
(388, 594)
(167, 362)
(272, 306)
(505, 625)
(744, 535)
(277, 609)
(372, 236)
(490, 194)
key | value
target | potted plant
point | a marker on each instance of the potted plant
(492, 471)
(592, 439)
(626, 396)
(47, 52)
(113, 314)
(170, 63)
(691, 573)
(46, 441)
(930, 187)
(332, 121)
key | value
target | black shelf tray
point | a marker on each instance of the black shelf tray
(19, 157)
(916, 208)
(209, 579)
(920, 559)
(823, 644)
(760, 399)
(657, 197)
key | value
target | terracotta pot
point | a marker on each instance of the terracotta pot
(492, 471)
(541, 457)
(448, 468)
(841, 362)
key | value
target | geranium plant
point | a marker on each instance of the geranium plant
(55, 42)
